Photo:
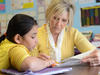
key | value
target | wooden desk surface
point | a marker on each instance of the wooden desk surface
(83, 70)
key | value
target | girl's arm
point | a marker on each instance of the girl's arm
(36, 63)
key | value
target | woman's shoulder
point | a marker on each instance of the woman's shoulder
(42, 30)
(72, 29)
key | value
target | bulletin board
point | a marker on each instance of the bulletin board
(14, 7)
(34, 8)
(90, 16)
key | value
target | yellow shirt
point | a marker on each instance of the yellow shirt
(70, 40)
(12, 54)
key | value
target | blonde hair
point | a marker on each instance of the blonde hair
(58, 6)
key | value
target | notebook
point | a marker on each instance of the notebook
(50, 71)
(46, 71)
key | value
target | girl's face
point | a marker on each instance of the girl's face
(58, 22)
(30, 39)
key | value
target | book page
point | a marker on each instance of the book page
(75, 60)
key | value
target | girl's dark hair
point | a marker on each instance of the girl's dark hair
(19, 24)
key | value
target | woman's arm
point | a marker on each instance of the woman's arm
(81, 42)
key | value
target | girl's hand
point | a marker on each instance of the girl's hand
(43, 56)
(47, 59)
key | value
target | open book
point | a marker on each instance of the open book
(75, 60)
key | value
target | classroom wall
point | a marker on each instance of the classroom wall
(8, 13)
(38, 11)
(10, 10)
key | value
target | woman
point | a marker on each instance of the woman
(16, 46)
(58, 38)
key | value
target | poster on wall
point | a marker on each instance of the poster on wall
(97, 1)
(2, 6)
(22, 4)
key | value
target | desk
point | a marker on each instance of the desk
(83, 70)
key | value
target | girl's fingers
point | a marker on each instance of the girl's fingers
(51, 62)
(44, 56)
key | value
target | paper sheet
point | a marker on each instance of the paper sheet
(75, 60)
(21, 4)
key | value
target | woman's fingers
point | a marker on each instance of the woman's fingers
(94, 62)
(93, 58)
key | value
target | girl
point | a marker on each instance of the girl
(19, 41)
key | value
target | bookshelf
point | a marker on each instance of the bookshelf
(90, 16)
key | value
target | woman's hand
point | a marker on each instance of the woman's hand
(93, 58)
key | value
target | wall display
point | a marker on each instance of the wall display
(4, 19)
(90, 16)
(13, 7)
(22, 4)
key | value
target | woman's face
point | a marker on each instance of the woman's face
(58, 22)
(30, 39)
